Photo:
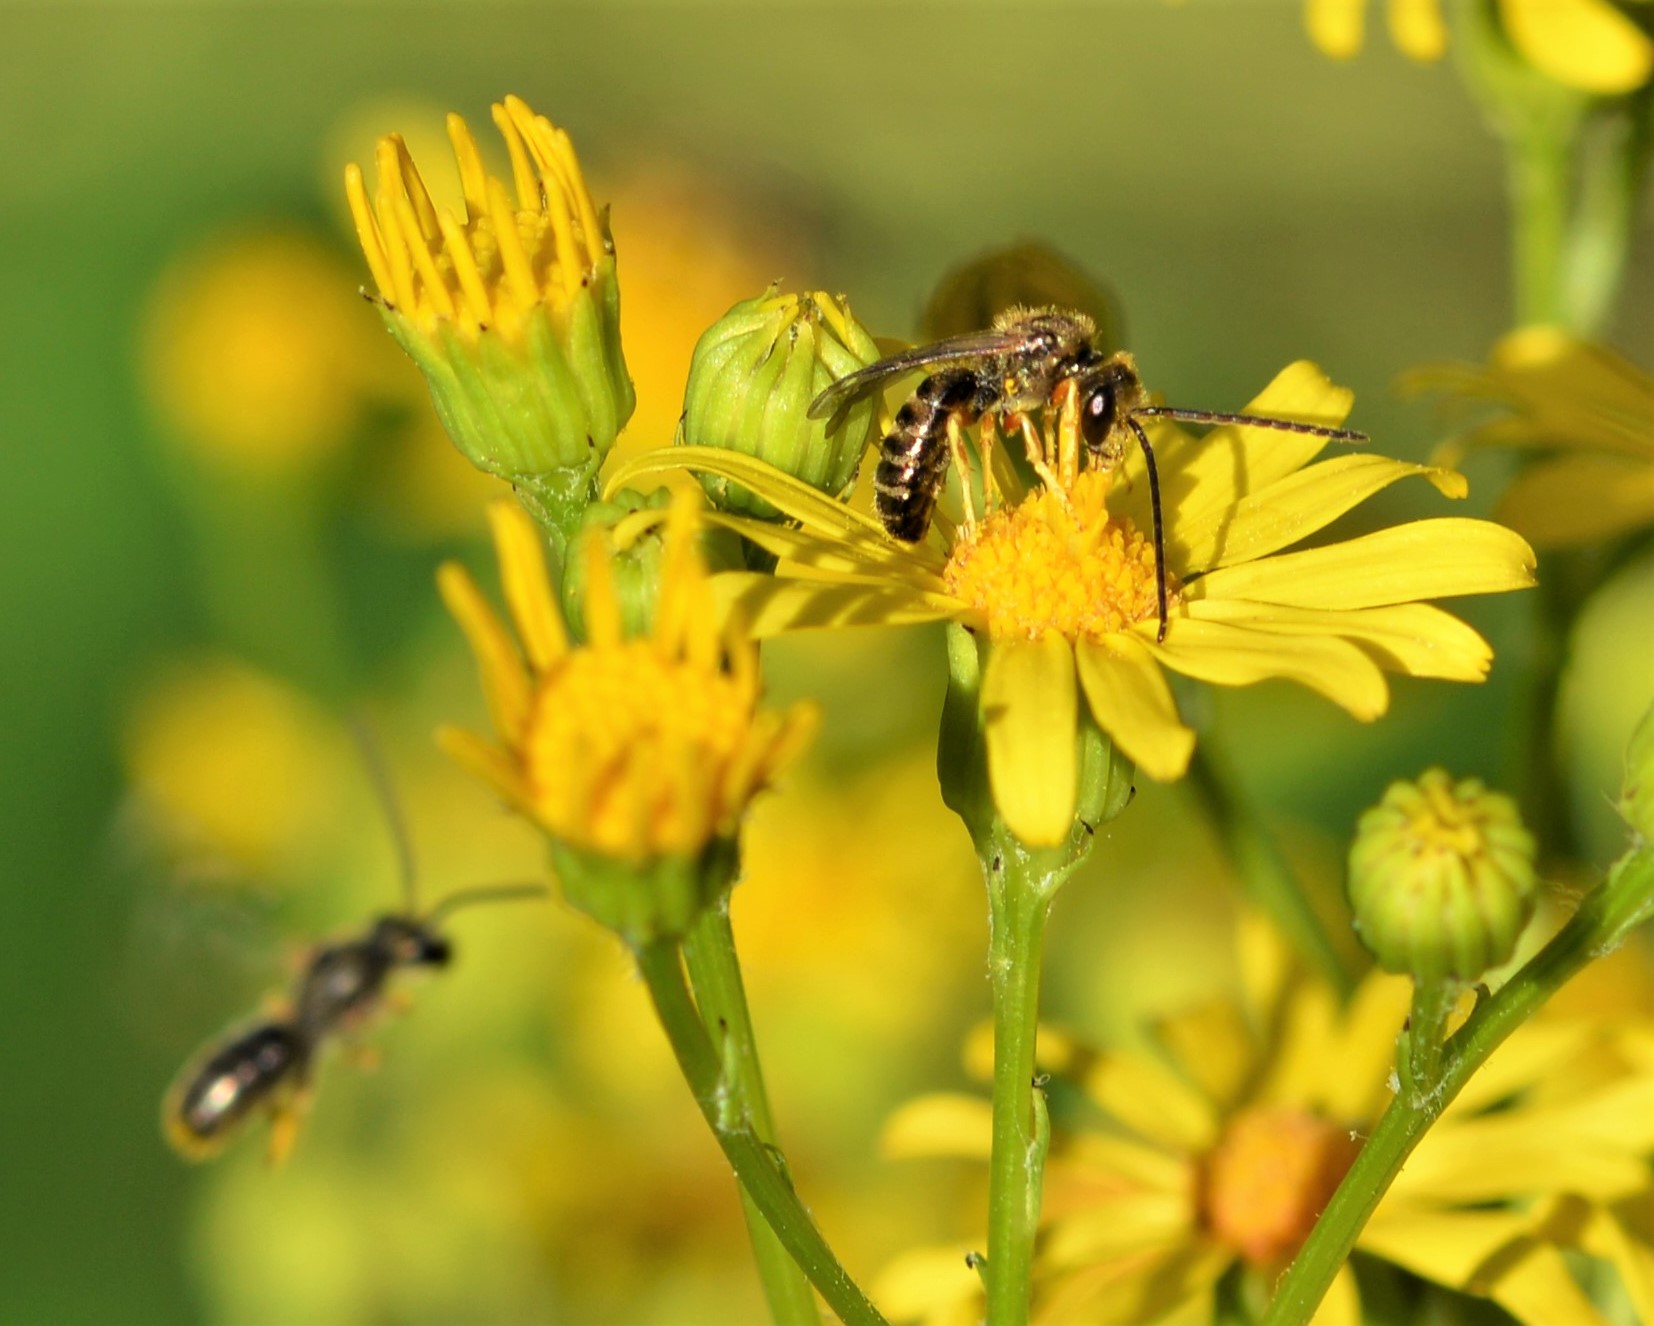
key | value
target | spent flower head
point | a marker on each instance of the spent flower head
(636, 754)
(1215, 1149)
(1060, 582)
(513, 310)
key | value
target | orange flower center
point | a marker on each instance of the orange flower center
(1058, 562)
(1270, 1178)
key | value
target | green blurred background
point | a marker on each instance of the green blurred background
(524, 1152)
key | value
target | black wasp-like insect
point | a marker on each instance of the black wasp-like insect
(1027, 360)
(267, 1067)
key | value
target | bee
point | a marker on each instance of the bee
(1031, 358)
(267, 1066)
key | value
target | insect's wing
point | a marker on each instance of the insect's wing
(864, 381)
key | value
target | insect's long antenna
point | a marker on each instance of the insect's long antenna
(1159, 527)
(483, 893)
(1247, 420)
(384, 792)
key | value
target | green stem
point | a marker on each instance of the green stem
(1623, 901)
(1613, 167)
(1265, 873)
(715, 974)
(1020, 887)
(752, 1159)
(1540, 172)
(1433, 1003)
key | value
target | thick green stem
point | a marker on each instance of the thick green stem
(1020, 886)
(1540, 173)
(1433, 1003)
(752, 1159)
(1613, 168)
(715, 974)
(1265, 873)
(1623, 901)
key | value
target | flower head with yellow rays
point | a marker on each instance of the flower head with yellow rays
(1587, 417)
(1060, 582)
(513, 311)
(629, 749)
(1593, 45)
(1226, 1137)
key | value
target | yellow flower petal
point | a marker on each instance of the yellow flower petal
(1030, 710)
(1212, 1045)
(527, 585)
(1496, 1157)
(1131, 702)
(1364, 1049)
(1485, 1251)
(1173, 1287)
(1604, 1236)
(1202, 477)
(1153, 1102)
(488, 762)
(1588, 44)
(805, 549)
(934, 1285)
(1342, 1305)
(769, 605)
(1417, 29)
(504, 681)
(1106, 1224)
(1415, 638)
(1424, 559)
(1576, 499)
(943, 1124)
(814, 510)
(1534, 1052)
(1235, 656)
(1336, 26)
(1290, 509)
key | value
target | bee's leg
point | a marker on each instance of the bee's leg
(285, 1119)
(1068, 434)
(1036, 454)
(1159, 529)
(962, 467)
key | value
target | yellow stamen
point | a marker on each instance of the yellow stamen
(1057, 562)
(1269, 1179)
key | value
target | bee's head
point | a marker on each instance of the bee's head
(411, 944)
(1107, 394)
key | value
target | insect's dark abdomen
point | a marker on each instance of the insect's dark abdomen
(237, 1080)
(913, 459)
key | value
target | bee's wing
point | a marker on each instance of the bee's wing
(864, 381)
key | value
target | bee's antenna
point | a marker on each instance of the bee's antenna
(1248, 421)
(1159, 528)
(483, 893)
(384, 792)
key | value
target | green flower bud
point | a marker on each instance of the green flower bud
(752, 378)
(1637, 792)
(1441, 878)
(513, 314)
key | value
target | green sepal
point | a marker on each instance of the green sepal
(644, 902)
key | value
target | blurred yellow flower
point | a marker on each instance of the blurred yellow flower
(234, 763)
(1062, 585)
(256, 355)
(1587, 414)
(632, 748)
(1222, 1146)
(1594, 45)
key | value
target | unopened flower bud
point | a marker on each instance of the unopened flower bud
(513, 311)
(1441, 878)
(752, 378)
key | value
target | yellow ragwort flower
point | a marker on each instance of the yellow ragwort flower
(630, 749)
(1586, 413)
(513, 311)
(1224, 1144)
(1593, 45)
(1061, 582)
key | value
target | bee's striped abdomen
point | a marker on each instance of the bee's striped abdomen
(913, 458)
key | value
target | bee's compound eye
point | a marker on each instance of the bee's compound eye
(1097, 417)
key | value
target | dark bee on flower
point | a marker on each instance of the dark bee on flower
(1027, 360)
(267, 1067)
